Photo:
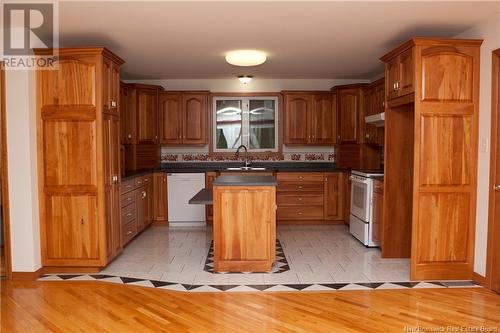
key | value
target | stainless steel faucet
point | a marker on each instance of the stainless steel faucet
(246, 155)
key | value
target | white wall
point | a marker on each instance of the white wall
(489, 30)
(257, 85)
(22, 168)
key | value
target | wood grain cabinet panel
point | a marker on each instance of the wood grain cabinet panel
(431, 157)
(349, 101)
(209, 209)
(333, 193)
(377, 211)
(324, 120)
(79, 159)
(244, 228)
(147, 103)
(194, 122)
(73, 232)
(170, 118)
(160, 197)
(127, 115)
(445, 150)
(296, 114)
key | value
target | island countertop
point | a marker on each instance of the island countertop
(245, 180)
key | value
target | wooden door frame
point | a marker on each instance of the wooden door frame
(495, 132)
(4, 177)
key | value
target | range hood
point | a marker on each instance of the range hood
(376, 119)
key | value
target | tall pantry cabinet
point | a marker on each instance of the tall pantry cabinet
(78, 114)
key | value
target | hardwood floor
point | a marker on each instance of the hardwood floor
(103, 307)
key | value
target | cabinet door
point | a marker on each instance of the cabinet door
(323, 120)
(127, 115)
(159, 197)
(209, 209)
(348, 108)
(141, 200)
(107, 67)
(391, 78)
(111, 168)
(170, 118)
(377, 205)
(297, 110)
(333, 196)
(406, 70)
(114, 93)
(147, 116)
(194, 119)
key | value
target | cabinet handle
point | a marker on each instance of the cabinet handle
(394, 86)
(143, 194)
(300, 199)
(129, 214)
(139, 182)
(129, 232)
(129, 199)
(129, 136)
(113, 104)
(300, 186)
(146, 180)
(299, 213)
(164, 179)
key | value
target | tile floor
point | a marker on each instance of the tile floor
(316, 255)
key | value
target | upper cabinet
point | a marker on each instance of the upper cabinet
(147, 109)
(183, 118)
(350, 113)
(309, 118)
(399, 75)
(139, 113)
(111, 86)
(374, 103)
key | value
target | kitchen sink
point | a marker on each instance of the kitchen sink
(246, 169)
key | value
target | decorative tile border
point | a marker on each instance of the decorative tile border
(280, 265)
(260, 287)
(202, 157)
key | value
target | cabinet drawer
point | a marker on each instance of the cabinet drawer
(127, 186)
(300, 213)
(294, 177)
(147, 179)
(127, 198)
(300, 187)
(128, 213)
(129, 231)
(299, 199)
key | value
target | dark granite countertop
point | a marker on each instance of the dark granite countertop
(204, 197)
(244, 180)
(200, 167)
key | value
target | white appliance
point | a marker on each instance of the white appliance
(182, 187)
(360, 221)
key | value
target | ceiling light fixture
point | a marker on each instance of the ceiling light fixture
(246, 57)
(245, 79)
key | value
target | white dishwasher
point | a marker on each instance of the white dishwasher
(182, 187)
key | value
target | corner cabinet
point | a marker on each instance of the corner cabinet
(78, 112)
(183, 118)
(309, 118)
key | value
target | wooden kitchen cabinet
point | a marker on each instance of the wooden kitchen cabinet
(333, 196)
(399, 73)
(374, 103)
(297, 109)
(183, 118)
(377, 210)
(430, 184)
(78, 158)
(310, 118)
(127, 115)
(209, 209)
(350, 113)
(147, 115)
(244, 228)
(160, 197)
(310, 197)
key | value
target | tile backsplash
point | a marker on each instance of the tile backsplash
(289, 157)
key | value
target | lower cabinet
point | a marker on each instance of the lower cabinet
(209, 209)
(310, 197)
(160, 197)
(377, 207)
(136, 206)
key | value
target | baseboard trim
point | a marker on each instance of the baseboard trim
(69, 269)
(160, 223)
(479, 279)
(27, 276)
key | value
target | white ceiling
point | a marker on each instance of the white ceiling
(305, 39)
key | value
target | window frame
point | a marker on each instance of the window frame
(245, 122)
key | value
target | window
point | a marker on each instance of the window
(251, 121)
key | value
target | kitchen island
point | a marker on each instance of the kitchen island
(244, 225)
